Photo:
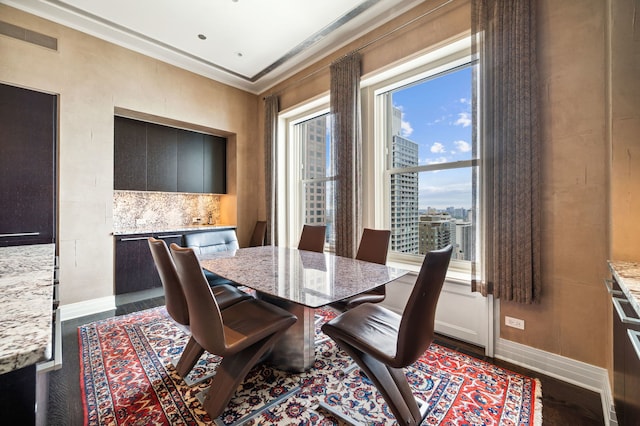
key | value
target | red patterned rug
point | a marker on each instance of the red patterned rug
(128, 377)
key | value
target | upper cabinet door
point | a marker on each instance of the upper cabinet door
(28, 122)
(162, 152)
(130, 154)
(151, 157)
(190, 161)
(215, 165)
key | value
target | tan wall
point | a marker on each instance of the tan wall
(625, 130)
(92, 78)
(571, 320)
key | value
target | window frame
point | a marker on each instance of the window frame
(290, 182)
(377, 125)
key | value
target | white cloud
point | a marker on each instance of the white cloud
(465, 101)
(405, 128)
(462, 146)
(437, 147)
(464, 119)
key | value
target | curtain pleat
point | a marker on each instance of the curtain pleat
(345, 112)
(270, 134)
(504, 44)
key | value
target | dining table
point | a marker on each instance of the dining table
(299, 281)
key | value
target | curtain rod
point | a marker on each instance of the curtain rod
(364, 46)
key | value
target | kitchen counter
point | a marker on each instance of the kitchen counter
(150, 229)
(627, 275)
(26, 296)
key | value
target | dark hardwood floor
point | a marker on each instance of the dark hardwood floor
(562, 403)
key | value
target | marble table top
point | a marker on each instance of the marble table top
(146, 229)
(308, 278)
(26, 294)
(627, 274)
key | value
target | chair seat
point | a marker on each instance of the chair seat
(215, 279)
(370, 328)
(250, 321)
(227, 295)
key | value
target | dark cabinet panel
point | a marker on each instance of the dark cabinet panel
(130, 153)
(151, 157)
(215, 165)
(162, 151)
(27, 166)
(135, 270)
(190, 161)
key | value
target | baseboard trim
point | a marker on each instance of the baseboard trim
(88, 307)
(566, 369)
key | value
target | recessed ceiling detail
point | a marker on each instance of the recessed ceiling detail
(250, 44)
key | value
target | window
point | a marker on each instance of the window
(312, 177)
(424, 129)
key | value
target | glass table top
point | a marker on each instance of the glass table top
(308, 278)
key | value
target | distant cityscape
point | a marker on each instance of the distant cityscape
(414, 230)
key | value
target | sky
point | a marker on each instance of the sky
(436, 114)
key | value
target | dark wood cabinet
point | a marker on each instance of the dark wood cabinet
(28, 122)
(626, 360)
(130, 153)
(152, 157)
(135, 269)
(190, 162)
(162, 150)
(215, 165)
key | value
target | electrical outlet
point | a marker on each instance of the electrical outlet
(514, 322)
(140, 222)
(196, 220)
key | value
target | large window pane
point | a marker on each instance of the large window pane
(317, 175)
(430, 133)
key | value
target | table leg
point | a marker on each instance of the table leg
(295, 350)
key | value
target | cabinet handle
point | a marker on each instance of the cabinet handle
(617, 303)
(20, 234)
(609, 285)
(134, 239)
(170, 236)
(634, 336)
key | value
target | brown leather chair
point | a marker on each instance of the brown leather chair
(382, 342)
(176, 303)
(374, 246)
(312, 238)
(241, 334)
(259, 232)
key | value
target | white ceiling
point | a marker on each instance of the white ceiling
(250, 44)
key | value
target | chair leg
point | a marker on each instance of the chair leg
(390, 382)
(231, 372)
(190, 356)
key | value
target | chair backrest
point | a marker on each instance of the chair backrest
(212, 241)
(416, 330)
(259, 232)
(312, 238)
(174, 299)
(204, 313)
(374, 245)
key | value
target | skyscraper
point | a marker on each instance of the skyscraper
(404, 190)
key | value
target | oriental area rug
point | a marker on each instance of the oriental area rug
(127, 377)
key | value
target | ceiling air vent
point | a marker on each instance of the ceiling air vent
(28, 35)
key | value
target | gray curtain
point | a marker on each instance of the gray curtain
(347, 145)
(504, 44)
(270, 135)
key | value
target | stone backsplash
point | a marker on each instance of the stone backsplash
(159, 210)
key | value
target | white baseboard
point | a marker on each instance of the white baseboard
(88, 307)
(566, 369)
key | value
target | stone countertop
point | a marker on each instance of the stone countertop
(26, 292)
(627, 275)
(150, 229)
